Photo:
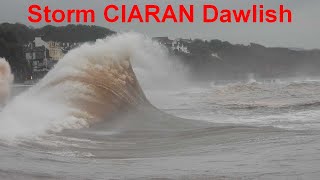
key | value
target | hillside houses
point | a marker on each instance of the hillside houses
(55, 50)
(180, 45)
(37, 56)
(58, 49)
(42, 56)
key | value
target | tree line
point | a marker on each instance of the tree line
(207, 59)
(14, 36)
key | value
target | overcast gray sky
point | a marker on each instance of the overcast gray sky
(304, 32)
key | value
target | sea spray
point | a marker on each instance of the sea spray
(90, 84)
(6, 79)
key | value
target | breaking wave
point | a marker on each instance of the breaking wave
(90, 84)
(6, 79)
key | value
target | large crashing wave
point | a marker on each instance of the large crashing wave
(6, 79)
(90, 84)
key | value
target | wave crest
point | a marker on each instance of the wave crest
(90, 84)
(6, 79)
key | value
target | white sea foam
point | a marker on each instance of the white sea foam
(6, 79)
(48, 106)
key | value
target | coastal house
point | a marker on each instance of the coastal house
(42, 56)
(38, 42)
(37, 58)
(38, 55)
(180, 45)
(55, 50)
(164, 41)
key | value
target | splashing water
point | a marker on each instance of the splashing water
(6, 79)
(89, 85)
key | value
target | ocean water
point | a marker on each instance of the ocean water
(89, 118)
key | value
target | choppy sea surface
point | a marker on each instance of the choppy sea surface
(122, 108)
(239, 130)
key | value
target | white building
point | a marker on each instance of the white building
(181, 45)
(42, 55)
(38, 42)
(55, 50)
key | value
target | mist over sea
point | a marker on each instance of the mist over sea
(121, 108)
